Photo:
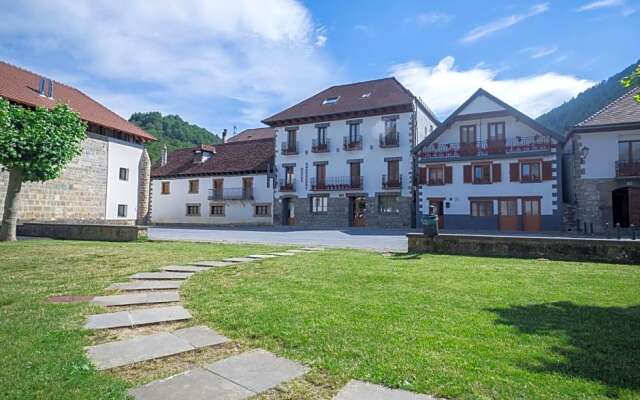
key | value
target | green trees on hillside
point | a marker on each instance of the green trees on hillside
(633, 80)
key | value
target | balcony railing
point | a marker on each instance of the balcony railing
(627, 168)
(287, 148)
(337, 183)
(518, 144)
(352, 143)
(231, 194)
(390, 139)
(320, 146)
(393, 182)
(286, 186)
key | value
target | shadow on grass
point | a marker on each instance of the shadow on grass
(603, 343)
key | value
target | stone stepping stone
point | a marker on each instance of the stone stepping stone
(261, 256)
(296, 251)
(357, 390)
(161, 275)
(239, 259)
(143, 348)
(283, 254)
(146, 285)
(313, 248)
(137, 298)
(145, 316)
(185, 268)
(212, 264)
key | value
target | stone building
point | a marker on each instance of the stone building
(106, 182)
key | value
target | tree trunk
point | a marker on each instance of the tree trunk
(10, 217)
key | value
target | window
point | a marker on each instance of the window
(122, 210)
(354, 131)
(166, 187)
(124, 174)
(263, 210)
(482, 173)
(389, 204)
(496, 131)
(482, 208)
(331, 100)
(629, 151)
(354, 174)
(319, 204)
(322, 135)
(193, 210)
(291, 140)
(389, 126)
(435, 175)
(194, 186)
(321, 174)
(365, 95)
(289, 175)
(217, 210)
(530, 171)
(468, 134)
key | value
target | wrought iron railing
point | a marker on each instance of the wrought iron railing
(320, 146)
(287, 148)
(231, 194)
(627, 168)
(390, 139)
(286, 185)
(351, 143)
(391, 182)
(337, 183)
(519, 144)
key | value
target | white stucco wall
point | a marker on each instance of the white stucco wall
(172, 207)
(481, 104)
(424, 125)
(513, 129)
(122, 155)
(603, 152)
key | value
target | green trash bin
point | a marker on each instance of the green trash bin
(430, 225)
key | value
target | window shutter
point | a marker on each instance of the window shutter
(547, 170)
(514, 172)
(497, 172)
(448, 174)
(467, 173)
(422, 176)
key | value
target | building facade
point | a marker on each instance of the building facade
(343, 156)
(102, 184)
(490, 167)
(224, 184)
(602, 156)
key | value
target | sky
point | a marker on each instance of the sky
(221, 64)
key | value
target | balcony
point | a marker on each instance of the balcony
(393, 182)
(320, 146)
(286, 185)
(517, 145)
(352, 143)
(389, 139)
(287, 148)
(231, 194)
(626, 169)
(337, 183)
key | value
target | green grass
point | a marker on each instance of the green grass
(461, 327)
(41, 344)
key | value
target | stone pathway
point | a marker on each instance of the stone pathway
(357, 390)
(185, 268)
(146, 285)
(132, 318)
(212, 264)
(160, 276)
(137, 299)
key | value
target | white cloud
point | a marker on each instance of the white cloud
(260, 55)
(503, 23)
(594, 5)
(443, 87)
(432, 18)
(539, 52)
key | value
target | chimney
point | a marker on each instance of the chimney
(164, 155)
(224, 135)
(41, 88)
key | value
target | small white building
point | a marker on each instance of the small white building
(344, 156)
(223, 184)
(490, 167)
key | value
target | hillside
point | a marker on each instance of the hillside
(172, 131)
(586, 103)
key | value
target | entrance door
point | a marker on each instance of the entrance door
(438, 205)
(620, 203)
(508, 212)
(288, 212)
(531, 218)
(359, 208)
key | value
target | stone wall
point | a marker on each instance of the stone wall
(565, 249)
(111, 232)
(79, 194)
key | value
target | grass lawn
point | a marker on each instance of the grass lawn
(461, 327)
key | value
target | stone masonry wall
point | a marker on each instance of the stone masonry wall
(79, 194)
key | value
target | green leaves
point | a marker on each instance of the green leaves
(632, 80)
(38, 141)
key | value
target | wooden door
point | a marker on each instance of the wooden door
(508, 214)
(438, 205)
(531, 218)
(359, 208)
(288, 212)
(355, 175)
(247, 188)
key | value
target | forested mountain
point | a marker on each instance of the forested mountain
(172, 131)
(586, 103)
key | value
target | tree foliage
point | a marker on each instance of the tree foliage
(171, 130)
(632, 80)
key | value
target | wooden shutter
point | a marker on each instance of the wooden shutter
(422, 175)
(467, 173)
(514, 172)
(547, 170)
(448, 174)
(496, 172)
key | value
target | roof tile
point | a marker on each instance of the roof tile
(623, 110)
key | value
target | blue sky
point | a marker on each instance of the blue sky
(220, 64)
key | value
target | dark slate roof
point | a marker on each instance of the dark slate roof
(253, 134)
(380, 93)
(229, 158)
(21, 86)
(623, 110)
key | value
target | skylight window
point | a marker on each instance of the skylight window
(365, 95)
(331, 100)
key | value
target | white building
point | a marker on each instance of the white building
(224, 184)
(602, 165)
(490, 167)
(344, 156)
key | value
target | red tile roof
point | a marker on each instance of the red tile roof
(623, 110)
(230, 158)
(253, 134)
(21, 86)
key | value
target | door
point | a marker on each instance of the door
(438, 209)
(355, 175)
(359, 208)
(531, 219)
(620, 204)
(247, 188)
(468, 140)
(288, 212)
(321, 175)
(508, 214)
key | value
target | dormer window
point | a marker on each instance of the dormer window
(331, 100)
(365, 95)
